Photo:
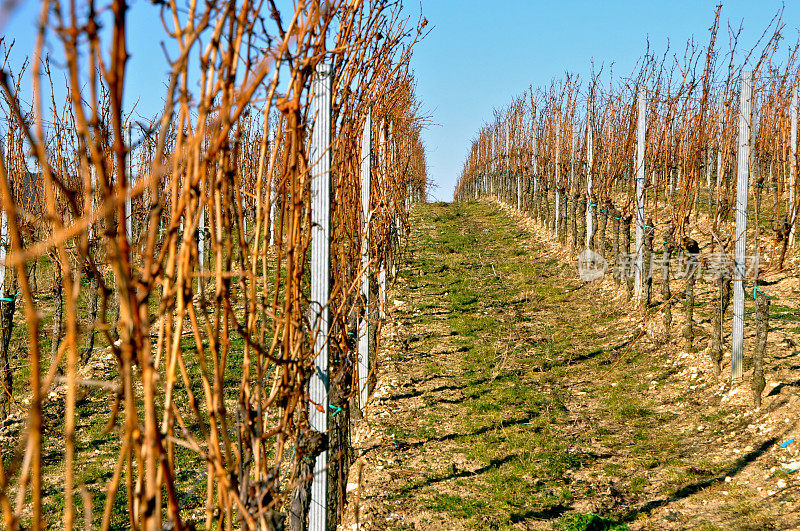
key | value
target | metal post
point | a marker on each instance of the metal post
(589, 157)
(493, 165)
(126, 133)
(508, 155)
(320, 158)
(273, 192)
(718, 185)
(640, 138)
(3, 246)
(93, 186)
(3, 219)
(558, 172)
(742, 187)
(792, 163)
(382, 290)
(386, 157)
(201, 239)
(201, 236)
(363, 324)
(534, 148)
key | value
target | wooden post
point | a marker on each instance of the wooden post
(319, 157)
(640, 134)
(742, 187)
(363, 324)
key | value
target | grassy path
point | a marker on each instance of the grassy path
(504, 400)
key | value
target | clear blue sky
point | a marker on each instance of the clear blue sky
(480, 54)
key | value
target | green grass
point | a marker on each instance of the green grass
(589, 522)
(784, 313)
(511, 342)
(457, 506)
(475, 264)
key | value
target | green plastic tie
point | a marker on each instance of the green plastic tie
(336, 409)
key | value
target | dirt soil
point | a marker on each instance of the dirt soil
(511, 395)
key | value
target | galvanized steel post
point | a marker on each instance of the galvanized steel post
(126, 138)
(3, 217)
(558, 172)
(319, 156)
(273, 192)
(589, 157)
(534, 148)
(363, 323)
(742, 188)
(792, 163)
(640, 144)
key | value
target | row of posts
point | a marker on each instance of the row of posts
(488, 184)
(319, 512)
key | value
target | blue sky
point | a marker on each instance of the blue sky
(482, 53)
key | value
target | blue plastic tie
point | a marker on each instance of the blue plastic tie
(756, 289)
